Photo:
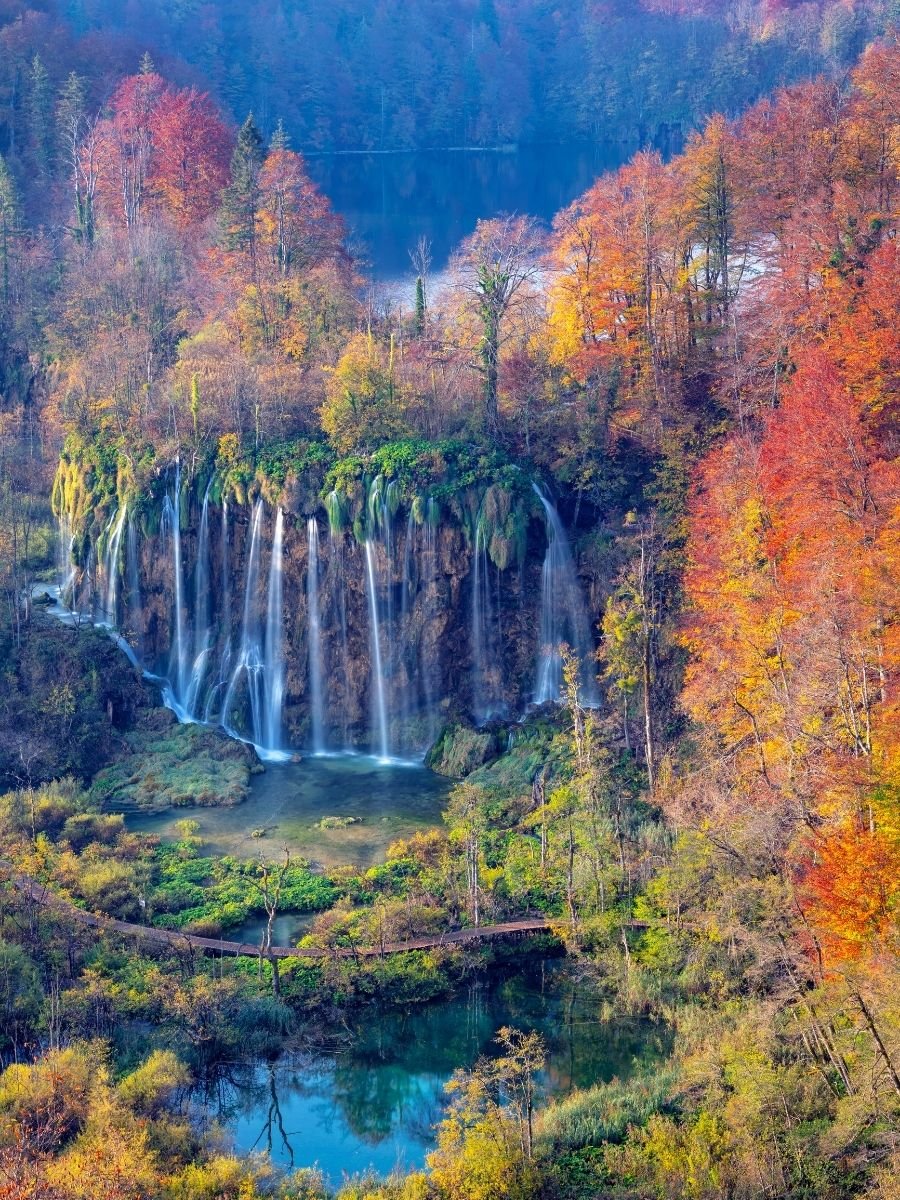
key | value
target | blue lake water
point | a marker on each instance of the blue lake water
(390, 200)
(373, 1102)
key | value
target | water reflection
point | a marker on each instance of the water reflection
(390, 200)
(373, 1101)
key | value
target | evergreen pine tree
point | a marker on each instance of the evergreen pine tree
(280, 140)
(9, 210)
(240, 203)
(40, 109)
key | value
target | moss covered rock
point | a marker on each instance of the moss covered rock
(460, 750)
(166, 765)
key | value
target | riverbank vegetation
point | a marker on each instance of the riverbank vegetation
(702, 355)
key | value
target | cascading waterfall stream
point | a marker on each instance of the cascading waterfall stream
(220, 688)
(249, 660)
(273, 678)
(202, 631)
(223, 653)
(316, 695)
(377, 668)
(336, 562)
(133, 580)
(564, 619)
(111, 568)
(179, 666)
(66, 563)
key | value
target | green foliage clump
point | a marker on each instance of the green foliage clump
(480, 488)
(273, 470)
(215, 894)
(460, 750)
(601, 1114)
(94, 478)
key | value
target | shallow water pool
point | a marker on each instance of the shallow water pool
(288, 802)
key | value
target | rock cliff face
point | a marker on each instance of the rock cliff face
(327, 631)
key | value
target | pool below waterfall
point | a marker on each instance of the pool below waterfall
(291, 804)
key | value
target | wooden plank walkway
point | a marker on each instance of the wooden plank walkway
(189, 941)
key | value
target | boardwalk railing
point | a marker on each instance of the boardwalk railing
(190, 941)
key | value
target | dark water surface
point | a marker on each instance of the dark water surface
(373, 1102)
(289, 800)
(390, 200)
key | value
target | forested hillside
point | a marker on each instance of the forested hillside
(353, 75)
(691, 379)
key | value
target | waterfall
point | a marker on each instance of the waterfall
(201, 631)
(260, 659)
(429, 668)
(336, 560)
(273, 679)
(375, 641)
(111, 568)
(83, 597)
(564, 619)
(225, 638)
(66, 564)
(179, 660)
(314, 637)
(336, 517)
(249, 664)
(486, 664)
(382, 503)
(133, 579)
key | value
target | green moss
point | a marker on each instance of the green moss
(460, 750)
(478, 487)
(174, 766)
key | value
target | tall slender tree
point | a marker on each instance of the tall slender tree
(241, 202)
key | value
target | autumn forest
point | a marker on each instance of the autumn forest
(449, 724)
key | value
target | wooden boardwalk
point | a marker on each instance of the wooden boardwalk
(189, 941)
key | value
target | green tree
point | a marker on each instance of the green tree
(9, 226)
(241, 201)
(630, 633)
(20, 995)
(467, 822)
(40, 116)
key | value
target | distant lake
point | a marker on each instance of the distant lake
(390, 200)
